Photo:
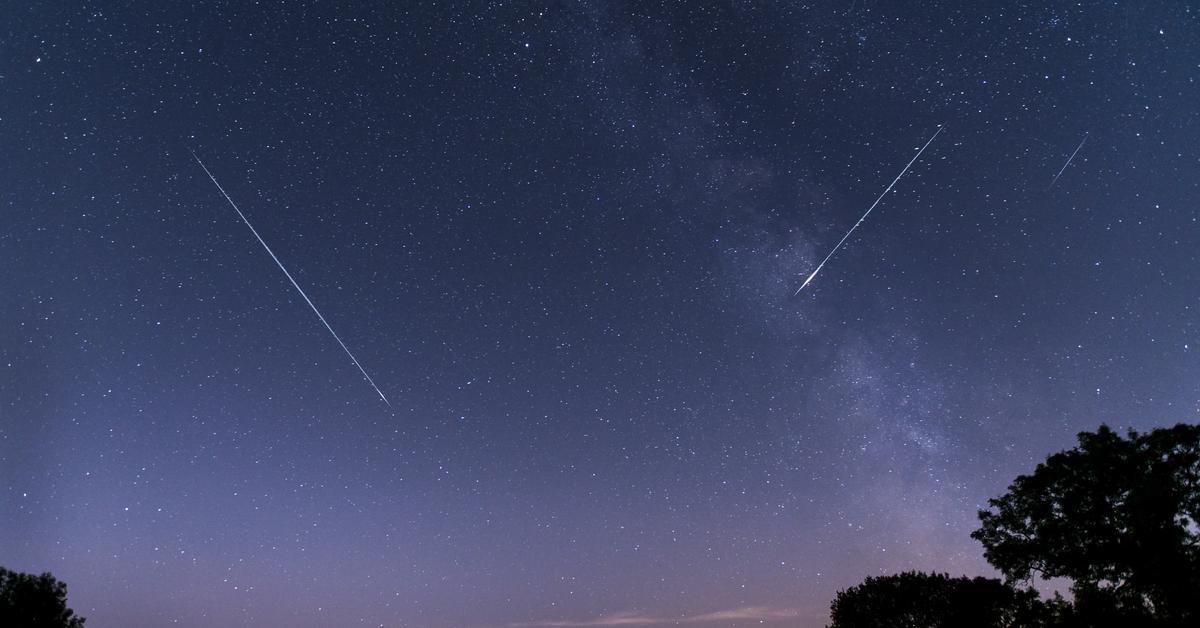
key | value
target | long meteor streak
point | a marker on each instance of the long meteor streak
(289, 276)
(868, 213)
(1064, 168)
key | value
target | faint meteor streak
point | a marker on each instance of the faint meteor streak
(289, 276)
(1064, 168)
(864, 216)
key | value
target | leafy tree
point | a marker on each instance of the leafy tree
(1116, 516)
(29, 601)
(922, 600)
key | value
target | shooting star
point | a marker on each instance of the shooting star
(864, 216)
(1064, 168)
(289, 276)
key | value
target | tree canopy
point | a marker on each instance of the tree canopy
(30, 601)
(924, 600)
(1116, 516)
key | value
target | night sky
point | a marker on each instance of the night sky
(564, 241)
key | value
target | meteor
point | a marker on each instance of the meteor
(864, 216)
(294, 284)
(1064, 168)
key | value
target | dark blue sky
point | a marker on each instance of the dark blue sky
(564, 239)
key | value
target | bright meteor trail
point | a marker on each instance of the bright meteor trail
(864, 216)
(296, 285)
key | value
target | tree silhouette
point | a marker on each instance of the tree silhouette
(922, 600)
(29, 601)
(1116, 516)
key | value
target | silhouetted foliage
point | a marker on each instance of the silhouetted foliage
(29, 601)
(920, 600)
(1117, 517)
